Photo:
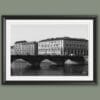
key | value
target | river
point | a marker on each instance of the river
(21, 67)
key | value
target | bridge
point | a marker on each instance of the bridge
(36, 60)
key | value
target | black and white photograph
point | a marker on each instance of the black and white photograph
(49, 49)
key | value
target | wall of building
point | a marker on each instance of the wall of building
(20, 48)
(76, 47)
(32, 48)
(69, 46)
(25, 48)
(52, 47)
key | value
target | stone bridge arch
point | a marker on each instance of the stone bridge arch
(38, 59)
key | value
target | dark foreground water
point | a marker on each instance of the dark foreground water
(24, 68)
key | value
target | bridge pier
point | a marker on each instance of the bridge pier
(68, 69)
(60, 63)
(35, 65)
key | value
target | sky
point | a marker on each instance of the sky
(37, 32)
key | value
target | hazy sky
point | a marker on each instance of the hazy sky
(36, 32)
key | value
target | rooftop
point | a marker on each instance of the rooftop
(30, 42)
(63, 38)
(21, 41)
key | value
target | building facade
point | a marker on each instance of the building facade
(50, 47)
(32, 48)
(25, 48)
(63, 46)
(75, 47)
(20, 47)
(54, 46)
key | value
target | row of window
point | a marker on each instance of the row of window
(49, 45)
(66, 45)
(76, 45)
(53, 48)
(76, 41)
(80, 52)
(49, 42)
(50, 53)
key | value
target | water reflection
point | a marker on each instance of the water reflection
(23, 68)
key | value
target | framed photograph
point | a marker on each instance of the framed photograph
(49, 49)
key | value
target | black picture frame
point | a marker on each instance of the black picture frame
(49, 17)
